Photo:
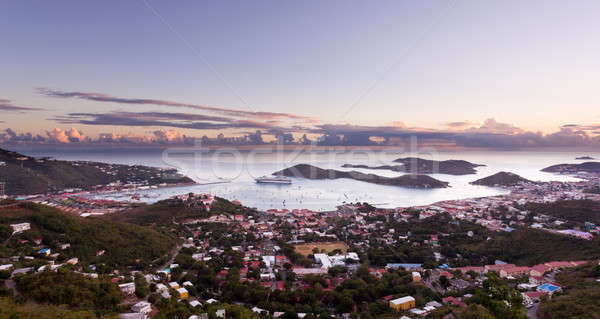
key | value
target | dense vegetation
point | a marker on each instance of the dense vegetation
(579, 211)
(28, 175)
(10, 309)
(422, 166)
(166, 211)
(494, 300)
(65, 287)
(581, 296)
(501, 179)
(528, 247)
(124, 244)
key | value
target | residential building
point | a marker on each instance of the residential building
(403, 303)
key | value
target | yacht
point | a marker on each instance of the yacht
(274, 180)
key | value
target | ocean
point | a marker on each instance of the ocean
(230, 174)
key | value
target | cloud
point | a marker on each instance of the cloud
(461, 124)
(491, 126)
(169, 136)
(6, 105)
(491, 134)
(160, 119)
(101, 97)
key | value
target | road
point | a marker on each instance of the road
(532, 312)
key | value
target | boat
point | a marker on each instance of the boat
(273, 180)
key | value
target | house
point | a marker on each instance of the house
(161, 287)
(142, 307)
(530, 297)
(183, 293)
(454, 301)
(127, 288)
(220, 313)
(6, 267)
(211, 301)
(403, 303)
(539, 270)
(258, 310)
(174, 285)
(195, 303)
(18, 228)
(416, 276)
(514, 271)
(73, 261)
(134, 315)
(45, 251)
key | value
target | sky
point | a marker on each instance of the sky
(152, 69)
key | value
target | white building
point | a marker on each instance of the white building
(128, 288)
(142, 307)
(18, 228)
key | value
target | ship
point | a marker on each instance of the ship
(274, 180)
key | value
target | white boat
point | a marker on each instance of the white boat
(274, 180)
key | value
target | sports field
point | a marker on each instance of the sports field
(306, 249)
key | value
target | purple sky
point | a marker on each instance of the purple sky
(205, 67)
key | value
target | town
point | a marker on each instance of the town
(415, 257)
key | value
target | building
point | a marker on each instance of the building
(514, 271)
(18, 228)
(142, 307)
(183, 293)
(416, 276)
(402, 304)
(127, 288)
(133, 315)
(174, 285)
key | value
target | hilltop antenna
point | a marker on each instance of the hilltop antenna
(2, 186)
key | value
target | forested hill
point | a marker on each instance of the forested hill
(123, 244)
(29, 175)
(501, 179)
(165, 212)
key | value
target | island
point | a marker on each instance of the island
(408, 180)
(415, 165)
(590, 167)
(586, 158)
(26, 175)
(502, 179)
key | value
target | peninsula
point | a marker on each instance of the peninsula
(409, 180)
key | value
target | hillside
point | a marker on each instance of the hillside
(417, 165)
(581, 296)
(124, 244)
(29, 175)
(592, 167)
(576, 211)
(313, 172)
(176, 210)
(501, 179)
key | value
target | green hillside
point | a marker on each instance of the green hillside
(28, 175)
(124, 244)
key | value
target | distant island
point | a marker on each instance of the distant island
(409, 180)
(592, 167)
(587, 158)
(415, 165)
(501, 179)
(25, 175)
